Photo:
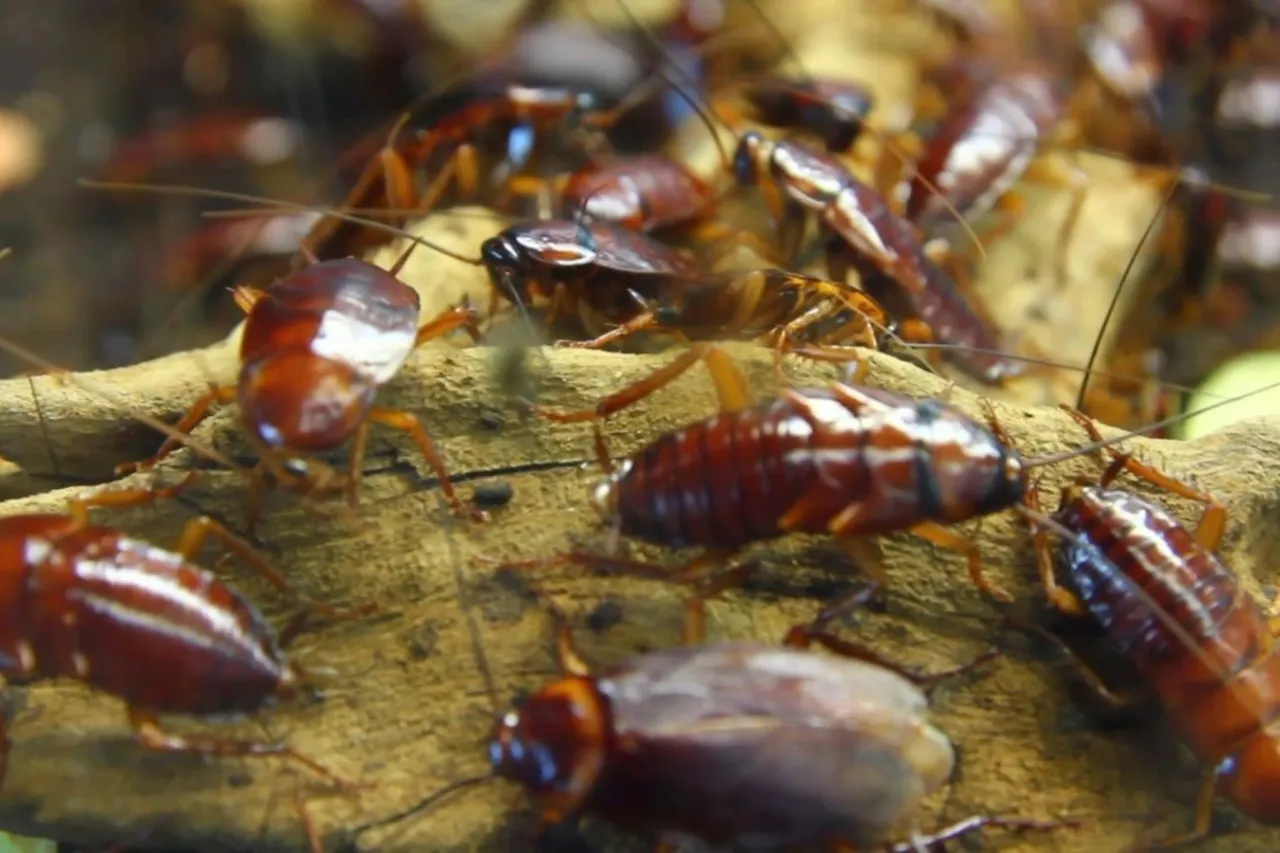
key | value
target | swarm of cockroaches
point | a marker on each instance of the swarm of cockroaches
(758, 745)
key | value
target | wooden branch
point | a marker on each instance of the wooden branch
(410, 706)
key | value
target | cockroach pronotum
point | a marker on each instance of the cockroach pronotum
(143, 623)
(316, 346)
(1202, 643)
(741, 744)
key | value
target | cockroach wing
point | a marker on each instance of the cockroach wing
(758, 746)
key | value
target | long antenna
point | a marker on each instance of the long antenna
(1158, 425)
(178, 189)
(1115, 296)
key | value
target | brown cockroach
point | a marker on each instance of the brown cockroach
(846, 460)
(143, 623)
(646, 193)
(833, 111)
(799, 180)
(866, 234)
(316, 346)
(839, 749)
(1203, 645)
(611, 277)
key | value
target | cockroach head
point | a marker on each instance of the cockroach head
(1009, 486)
(555, 742)
(502, 260)
(746, 156)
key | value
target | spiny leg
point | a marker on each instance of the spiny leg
(1202, 821)
(970, 825)
(639, 323)
(1062, 600)
(462, 316)
(693, 629)
(78, 508)
(569, 659)
(730, 384)
(198, 530)
(942, 537)
(409, 423)
(1213, 522)
(149, 733)
(689, 572)
(198, 411)
(1116, 699)
(385, 182)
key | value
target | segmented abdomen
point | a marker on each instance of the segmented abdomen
(1176, 611)
(721, 482)
(138, 622)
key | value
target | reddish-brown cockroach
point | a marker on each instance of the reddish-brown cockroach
(645, 193)
(625, 281)
(316, 346)
(143, 623)
(1202, 643)
(517, 122)
(846, 460)
(839, 750)
(833, 111)
(867, 235)
(235, 134)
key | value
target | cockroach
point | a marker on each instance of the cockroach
(316, 346)
(867, 235)
(833, 111)
(519, 119)
(1169, 604)
(838, 751)
(799, 180)
(137, 621)
(608, 276)
(220, 136)
(845, 460)
(645, 193)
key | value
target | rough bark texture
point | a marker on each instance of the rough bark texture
(415, 690)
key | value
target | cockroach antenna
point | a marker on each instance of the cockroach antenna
(1115, 296)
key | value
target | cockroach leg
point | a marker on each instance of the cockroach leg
(1119, 700)
(943, 538)
(221, 394)
(314, 842)
(78, 508)
(694, 627)
(1062, 600)
(970, 825)
(1213, 521)
(1205, 796)
(692, 571)
(409, 423)
(730, 384)
(149, 733)
(461, 316)
(568, 657)
(639, 323)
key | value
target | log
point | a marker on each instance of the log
(410, 701)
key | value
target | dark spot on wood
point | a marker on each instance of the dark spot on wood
(496, 493)
(503, 596)
(604, 616)
(240, 780)
(423, 642)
